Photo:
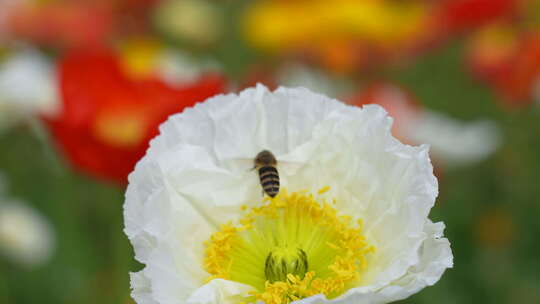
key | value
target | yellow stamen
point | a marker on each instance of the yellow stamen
(291, 247)
(323, 189)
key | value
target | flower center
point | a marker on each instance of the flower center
(292, 247)
(121, 130)
(283, 261)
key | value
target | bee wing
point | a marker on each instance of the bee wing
(289, 167)
(239, 164)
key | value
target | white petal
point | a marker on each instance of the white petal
(456, 142)
(26, 237)
(178, 68)
(142, 288)
(28, 84)
(220, 292)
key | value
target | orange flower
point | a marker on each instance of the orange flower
(489, 54)
(518, 84)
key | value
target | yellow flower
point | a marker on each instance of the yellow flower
(284, 26)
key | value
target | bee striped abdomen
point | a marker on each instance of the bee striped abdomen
(269, 180)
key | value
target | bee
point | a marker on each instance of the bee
(265, 162)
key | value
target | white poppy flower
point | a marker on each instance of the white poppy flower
(455, 142)
(178, 68)
(26, 237)
(28, 86)
(349, 224)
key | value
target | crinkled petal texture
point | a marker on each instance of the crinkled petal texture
(195, 177)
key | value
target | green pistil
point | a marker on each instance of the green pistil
(283, 261)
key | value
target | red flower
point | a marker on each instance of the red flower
(510, 65)
(64, 24)
(76, 24)
(460, 15)
(108, 118)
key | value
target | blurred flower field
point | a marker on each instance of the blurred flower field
(84, 86)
